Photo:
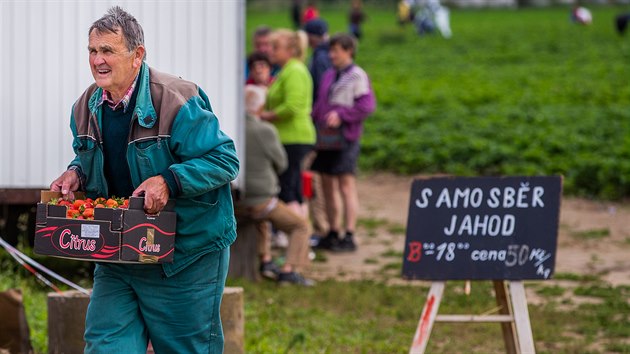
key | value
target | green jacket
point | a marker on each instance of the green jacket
(172, 127)
(290, 97)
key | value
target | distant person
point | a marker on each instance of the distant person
(621, 23)
(288, 108)
(345, 100)
(296, 14)
(356, 18)
(261, 41)
(581, 15)
(433, 16)
(265, 158)
(311, 12)
(317, 31)
(259, 67)
(405, 15)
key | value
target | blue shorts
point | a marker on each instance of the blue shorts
(132, 303)
(338, 162)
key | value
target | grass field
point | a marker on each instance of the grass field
(514, 92)
(582, 316)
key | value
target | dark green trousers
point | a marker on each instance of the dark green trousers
(132, 303)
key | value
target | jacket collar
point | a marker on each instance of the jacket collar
(144, 110)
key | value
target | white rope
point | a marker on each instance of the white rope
(34, 272)
(15, 252)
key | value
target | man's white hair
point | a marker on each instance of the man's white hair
(255, 98)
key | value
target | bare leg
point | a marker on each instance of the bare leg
(329, 186)
(348, 188)
(317, 207)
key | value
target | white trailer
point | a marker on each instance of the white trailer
(44, 68)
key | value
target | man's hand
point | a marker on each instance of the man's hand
(155, 193)
(67, 183)
(332, 119)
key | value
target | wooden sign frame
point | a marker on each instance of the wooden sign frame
(513, 317)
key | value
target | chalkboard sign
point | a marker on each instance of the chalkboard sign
(482, 228)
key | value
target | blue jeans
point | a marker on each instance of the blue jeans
(132, 303)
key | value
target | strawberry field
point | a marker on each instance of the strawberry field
(514, 92)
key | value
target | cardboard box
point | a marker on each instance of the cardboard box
(115, 235)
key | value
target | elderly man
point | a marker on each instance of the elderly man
(137, 132)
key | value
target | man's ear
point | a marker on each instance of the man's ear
(138, 56)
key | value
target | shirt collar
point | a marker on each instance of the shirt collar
(343, 71)
(124, 101)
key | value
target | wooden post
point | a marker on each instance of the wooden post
(513, 317)
(429, 312)
(244, 251)
(233, 320)
(66, 322)
(505, 308)
(14, 332)
(521, 318)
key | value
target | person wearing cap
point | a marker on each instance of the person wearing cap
(317, 31)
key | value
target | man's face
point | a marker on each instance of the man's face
(262, 44)
(113, 66)
(314, 40)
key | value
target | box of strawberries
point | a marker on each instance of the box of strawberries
(104, 229)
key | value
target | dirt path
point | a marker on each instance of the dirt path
(594, 237)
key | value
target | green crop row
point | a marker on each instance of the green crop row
(514, 92)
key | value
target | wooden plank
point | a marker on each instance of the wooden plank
(27, 196)
(429, 312)
(521, 318)
(474, 318)
(505, 308)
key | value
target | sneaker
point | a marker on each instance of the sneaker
(345, 245)
(269, 270)
(294, 278)
(329, 241)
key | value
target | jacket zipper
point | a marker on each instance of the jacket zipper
(99, 140)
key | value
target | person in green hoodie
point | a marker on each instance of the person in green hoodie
(288, 108)
(137, 131)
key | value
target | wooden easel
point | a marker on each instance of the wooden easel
(513, 316)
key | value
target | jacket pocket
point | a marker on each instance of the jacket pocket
(199, 224)
(153, 157)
